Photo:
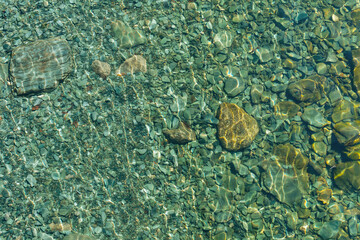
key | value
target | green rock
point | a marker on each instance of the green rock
(356, 55)
(238, 18)
(321, 68)
(353, 226)
(303, 213)
(220, 236)
(338, 68)
(126, 36)
(291, 220)
(344, 110)
(289, 63)
(234, 86)
(355, 15)
(346, 175)
(264, 54)
(257, 223)
(223, 39)
(77, 236)
(335, 95)
(40, 65)
(328, 12)
(353, 152)
(4, 89)
(229, 181)
(347, 133)
(313, 117)
(329, 229)
(221, 57)
(222, 201)
(256, 93)
(319, 148)
(356, 79)
(286, 175)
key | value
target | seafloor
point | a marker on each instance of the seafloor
(89, 159)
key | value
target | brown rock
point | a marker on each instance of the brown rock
(236, 128)
(102, 69)
(60, 227)
(132, 65)
(181, 135)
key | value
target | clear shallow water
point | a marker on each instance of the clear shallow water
(90, 156)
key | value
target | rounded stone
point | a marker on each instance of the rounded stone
(236, 128)
(355, 15)
(102, 69)
(324, 195)
(234, 86)
(40, 65)
(77, 236)
(305, 90)
(321, 68)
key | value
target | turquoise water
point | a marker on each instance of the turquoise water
(138, 153)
